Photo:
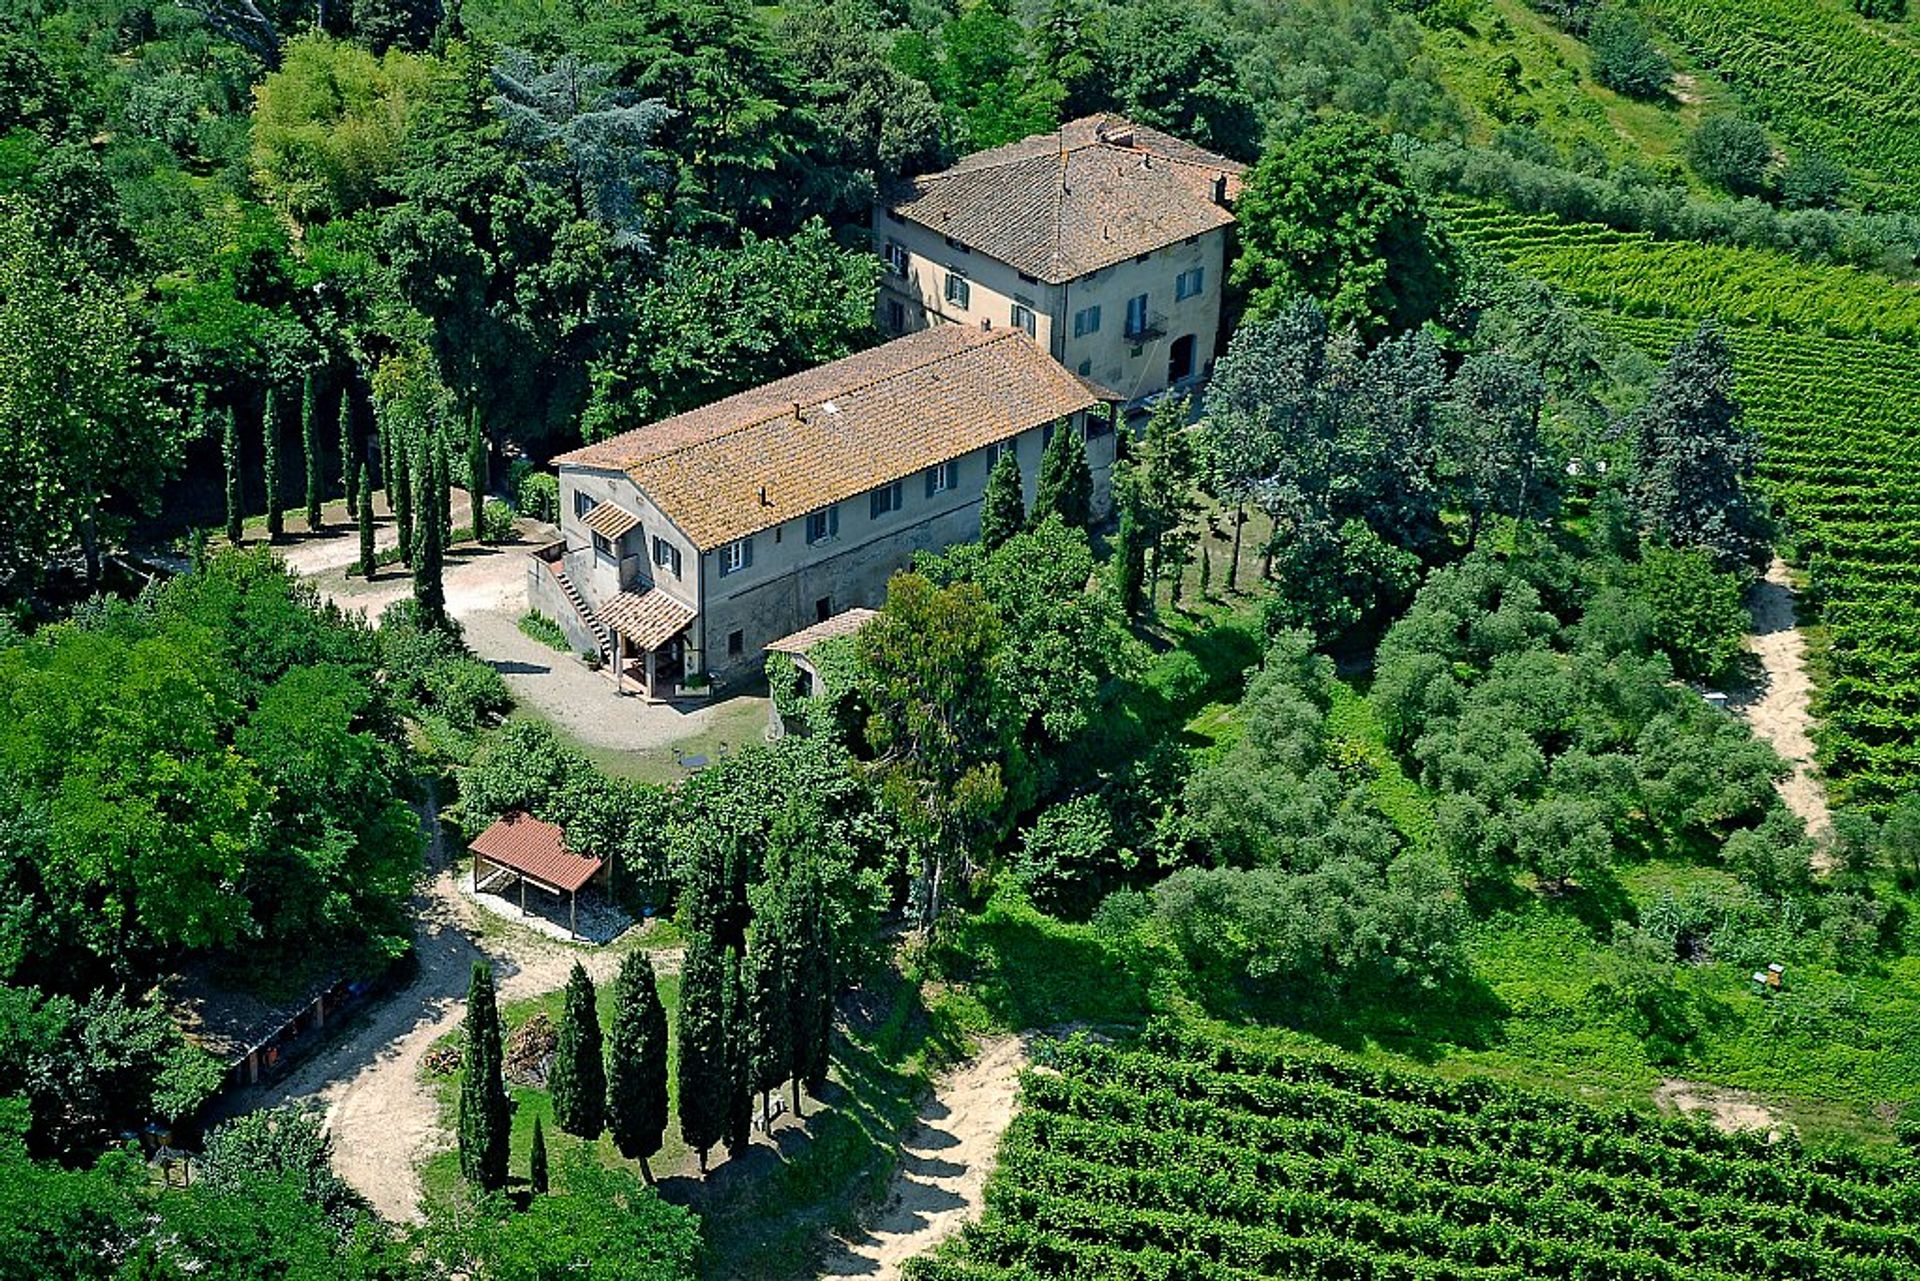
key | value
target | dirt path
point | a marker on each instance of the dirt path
(382, 1114)
(1782, 714)
(943, 1170)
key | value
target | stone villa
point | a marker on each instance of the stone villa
(1036, 287)
(691, 543)
(1105, 242)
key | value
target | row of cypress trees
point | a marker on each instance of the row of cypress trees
(620, 1086)
(402, 468)
(756, 1006)
(1064, 488)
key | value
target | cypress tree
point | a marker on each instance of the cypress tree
(769, 1022)
(349, 457)
(400, 496)
(578, 1081)
(1129, 547)
(429, 585)
(367, 557)
(310, 443)
(230, 455)
(1003, 509)
(270, 426)
(484, 1120)
(1065, 485)
(443, 489)
(477, 473)
(702, 1067)
(637, 1063)
(385, 450)
(738, 1119)
(811, 981)
(537, 1159)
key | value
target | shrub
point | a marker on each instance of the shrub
(1813, 180)
(1731, 152)
(536, 493)
(543, 629)
(1697, 614)
(1881, 10)
(496, 521)
(1070, 857)
(1625, 59)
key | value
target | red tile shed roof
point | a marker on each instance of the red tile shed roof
(536, 850)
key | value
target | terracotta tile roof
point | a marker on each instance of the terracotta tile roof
(845, 623)
(834, 432)
(1059, 206)
(611, 520)
(649, 619)
(536, 850)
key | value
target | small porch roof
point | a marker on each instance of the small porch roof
(647, 619)
(611, 521)
(845, 623)
(538, 851)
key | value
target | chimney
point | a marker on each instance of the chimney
(1220, 190)
(986, 325)
(763, 497)
(796, 412)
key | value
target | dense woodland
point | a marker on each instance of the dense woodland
(1373, 719)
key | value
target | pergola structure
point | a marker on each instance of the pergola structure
(645, 621)
(536, 853)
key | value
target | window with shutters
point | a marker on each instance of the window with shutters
(941, 478)
(1086, 321)
(1023, 318)
(958, 291)
(666, 556)
(886, 499)
(1000, 447)
(1137, 316)
(736, 556)
(823, 524)
(896, 256)
(1189, 284)
(583, 503)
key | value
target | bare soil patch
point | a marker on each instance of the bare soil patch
(1729, 1110)
(944, 1165)
(1781, 712)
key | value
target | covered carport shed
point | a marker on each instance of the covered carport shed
(536, 853)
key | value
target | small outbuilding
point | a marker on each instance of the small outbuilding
(522, 847)
(799, 647)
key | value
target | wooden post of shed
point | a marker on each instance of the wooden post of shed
(573, 914)
(619, 660)
(523, 894)
(653, 657)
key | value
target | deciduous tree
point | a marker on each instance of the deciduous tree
(1329, 214)
(945, 761)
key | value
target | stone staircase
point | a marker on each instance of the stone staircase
(557, 568)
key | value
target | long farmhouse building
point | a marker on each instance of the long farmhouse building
(1038, 287)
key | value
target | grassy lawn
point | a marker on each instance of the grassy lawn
(1513, 65)
(737, 719)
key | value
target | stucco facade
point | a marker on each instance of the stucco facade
(915, 293)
